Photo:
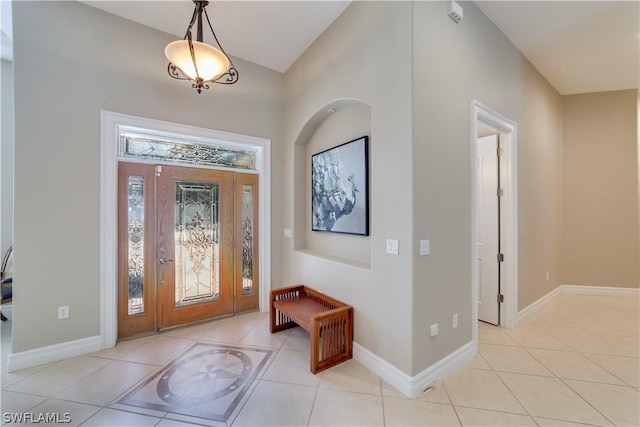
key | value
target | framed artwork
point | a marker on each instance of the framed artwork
(340, 187)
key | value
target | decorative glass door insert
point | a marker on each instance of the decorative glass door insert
(136, 145)
(136, 249)
(197, 269)
(247, 278)
(247, 239)
(135, 238)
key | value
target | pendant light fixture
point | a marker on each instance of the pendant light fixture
(197, 61)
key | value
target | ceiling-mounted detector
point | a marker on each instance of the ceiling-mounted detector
(455, 11)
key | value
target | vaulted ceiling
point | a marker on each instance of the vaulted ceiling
(578, 46)
(269, 33)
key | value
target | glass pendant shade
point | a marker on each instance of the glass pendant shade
(210, 62)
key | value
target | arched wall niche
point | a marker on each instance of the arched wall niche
(338, 122)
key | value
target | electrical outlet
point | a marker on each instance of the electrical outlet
(63, 312)
(455, 321)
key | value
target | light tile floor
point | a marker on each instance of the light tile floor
(574, 363)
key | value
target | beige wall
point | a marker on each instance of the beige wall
(363, 58)
(71, 61)
(431, 72)
(601, 237)
(454, 65)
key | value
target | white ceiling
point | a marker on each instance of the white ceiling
(578, 46)
(269, 33)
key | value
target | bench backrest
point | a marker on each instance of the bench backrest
(323, 299)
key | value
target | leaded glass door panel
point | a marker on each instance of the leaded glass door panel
(195, 245)
(246, 250)
(137, 247)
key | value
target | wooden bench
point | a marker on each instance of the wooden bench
(328, 321)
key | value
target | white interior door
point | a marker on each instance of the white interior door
(488, 230)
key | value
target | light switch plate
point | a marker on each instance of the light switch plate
(392, 246)
(425, 247)
(433, 329)
(287, 232)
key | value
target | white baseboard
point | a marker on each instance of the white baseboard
(383, 369)
(538, 305)
(53, 353)
(604, 291)
(414, 386)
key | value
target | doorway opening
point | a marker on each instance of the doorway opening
(494, 218)
(111, 124)
(187, 246)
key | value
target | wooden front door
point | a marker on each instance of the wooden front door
(188, 246)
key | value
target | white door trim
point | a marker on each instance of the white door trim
(509, 211)
(110, 123)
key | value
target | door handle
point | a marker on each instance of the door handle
(164, 261)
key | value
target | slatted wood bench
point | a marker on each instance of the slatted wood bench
(328, 321)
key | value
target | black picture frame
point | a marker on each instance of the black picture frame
(340, 188)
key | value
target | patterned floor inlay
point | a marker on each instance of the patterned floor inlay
(207, 381)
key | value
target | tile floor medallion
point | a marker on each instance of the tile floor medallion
(207, 381)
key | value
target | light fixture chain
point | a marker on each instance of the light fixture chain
(193, 21)
(214, 34)
(193, 58)
(232, 73)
